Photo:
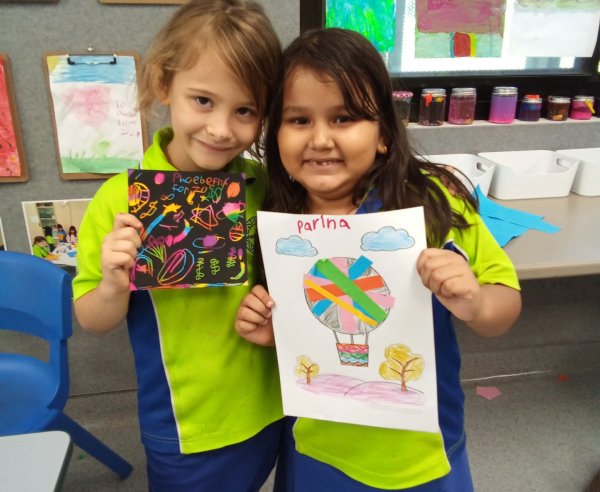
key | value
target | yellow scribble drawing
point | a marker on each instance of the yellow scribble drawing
(401, 364)
(306, 368)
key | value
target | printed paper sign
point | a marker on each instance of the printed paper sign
(194, 231)
(353, 322)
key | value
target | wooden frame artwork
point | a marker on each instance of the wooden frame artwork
(13, 165)
(98, 130)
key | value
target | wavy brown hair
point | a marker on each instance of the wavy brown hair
(401, 179)
(240, 34)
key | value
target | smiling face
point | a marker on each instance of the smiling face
(321, 146)
(213, 116)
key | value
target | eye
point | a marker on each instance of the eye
(202, 101)
(299, 120)
(246, 112)
(343, 118)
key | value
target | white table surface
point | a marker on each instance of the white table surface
(573, 251)
(33, 462)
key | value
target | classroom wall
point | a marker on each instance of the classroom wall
(27, 30)
(557, 330)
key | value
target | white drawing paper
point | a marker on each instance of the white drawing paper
(553, 32)
(353, 322)
(98, 125)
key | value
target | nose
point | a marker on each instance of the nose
(218, 126)
(320, 137)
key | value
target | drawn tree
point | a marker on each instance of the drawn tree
(306, 368)
(401, 364)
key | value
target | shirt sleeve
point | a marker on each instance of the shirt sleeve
(488, 261)
(109, 200)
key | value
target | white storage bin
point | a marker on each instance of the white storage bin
(477, 169)
(587, 178)
(530, 174)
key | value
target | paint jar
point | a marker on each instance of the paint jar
(558, 108)
(582, 107)
(530, 108)
(504, 105)
(462, 106)
(432, 107)
(402, 105)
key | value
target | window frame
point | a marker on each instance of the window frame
(586, 81)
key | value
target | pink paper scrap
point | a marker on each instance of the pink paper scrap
(488, 392)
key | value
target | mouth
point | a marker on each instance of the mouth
(213, 147)
(323, 163)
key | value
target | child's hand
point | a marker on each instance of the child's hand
(119, 252)
(448, 275)
(253, 320)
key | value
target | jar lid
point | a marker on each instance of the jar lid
(505, 90)
(583, 98)
(532, 98)
(434, 92)
(402, 94)
(466, 91)
(559, 99)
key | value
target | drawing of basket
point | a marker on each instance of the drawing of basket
(353, 354)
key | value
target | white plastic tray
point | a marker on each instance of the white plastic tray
(587, 178)
(477, 169)
(530, 174)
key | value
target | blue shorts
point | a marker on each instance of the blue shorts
(303, 473)
(241, 467)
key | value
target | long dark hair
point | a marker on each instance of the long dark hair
(401, 179)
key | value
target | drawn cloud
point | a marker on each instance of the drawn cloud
(295, 246)
(387, 239)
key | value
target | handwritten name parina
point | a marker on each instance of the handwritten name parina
(330, 223)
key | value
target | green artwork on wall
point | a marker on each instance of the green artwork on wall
(374, 19)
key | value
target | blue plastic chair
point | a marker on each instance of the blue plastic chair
(36, 298)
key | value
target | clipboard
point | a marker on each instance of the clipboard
(13, 165)
(98, 130)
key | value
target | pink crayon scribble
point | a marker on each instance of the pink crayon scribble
(90, 105)
(367, 391)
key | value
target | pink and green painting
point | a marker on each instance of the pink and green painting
(459, 28)
(94, 103)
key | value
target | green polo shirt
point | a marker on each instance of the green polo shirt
(200, 385)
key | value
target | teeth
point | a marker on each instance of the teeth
(321, 163)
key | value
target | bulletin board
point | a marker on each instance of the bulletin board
(98, 129)
(13, 166)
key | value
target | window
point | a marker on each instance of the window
(415, 61)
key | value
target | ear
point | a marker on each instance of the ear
(381, 146)
(163, 93)
(163, 96)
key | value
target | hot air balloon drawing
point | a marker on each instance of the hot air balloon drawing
(349, 297)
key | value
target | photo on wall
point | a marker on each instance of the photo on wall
(52, 227)
(2, 238)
